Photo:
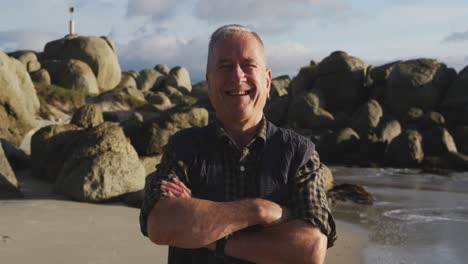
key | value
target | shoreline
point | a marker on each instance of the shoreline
(44, 228)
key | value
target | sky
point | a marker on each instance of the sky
(149, 32)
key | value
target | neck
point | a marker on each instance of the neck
(242, 132)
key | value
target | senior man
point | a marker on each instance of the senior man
(239, 190)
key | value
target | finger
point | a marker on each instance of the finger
(170, 194)
(174, 186)
(181, 184)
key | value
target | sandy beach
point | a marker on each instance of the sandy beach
(44, 228)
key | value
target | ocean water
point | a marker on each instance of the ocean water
(416, 217)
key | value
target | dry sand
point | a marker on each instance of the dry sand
(44, 228)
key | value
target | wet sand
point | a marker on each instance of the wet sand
(44, 228)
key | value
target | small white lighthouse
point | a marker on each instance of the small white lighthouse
(72, 23)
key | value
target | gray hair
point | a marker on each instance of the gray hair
(231, 30)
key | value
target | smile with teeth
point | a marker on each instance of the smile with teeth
(237, 93)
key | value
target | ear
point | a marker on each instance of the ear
(268, 82)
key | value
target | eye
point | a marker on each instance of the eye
(225, 66)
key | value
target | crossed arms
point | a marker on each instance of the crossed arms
(186, 222)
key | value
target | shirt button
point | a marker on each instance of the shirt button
(242, 168)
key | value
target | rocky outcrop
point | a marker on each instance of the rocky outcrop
(87, 116)
(149, 79)
(97, 52)
(305, 112)
(179, 78)
(19, 103)
(41, 76)
(101, 165)
(461, 139)
(437, 142)
(28, 58)
(406, 149)
(350, 192)
(150, 136)
(279, 86)
(162, 69)
(73, 74)
(417, 83)
(456, 100)
(367, 117)
(341, 79)
(49, 148)
(8, 183)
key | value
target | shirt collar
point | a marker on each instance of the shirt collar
(261, 135)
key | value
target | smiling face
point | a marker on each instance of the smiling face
(238, 79)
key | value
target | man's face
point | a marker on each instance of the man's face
(238, 80)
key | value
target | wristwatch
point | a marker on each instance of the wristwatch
(220, 245)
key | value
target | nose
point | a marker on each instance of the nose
(238, 74)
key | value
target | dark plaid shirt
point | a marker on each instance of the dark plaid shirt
(240, 169)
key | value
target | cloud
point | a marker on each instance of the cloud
(287, 57)
(268, 15)
(457, 37)
(25, 40)
(147, 51)
(157, 9)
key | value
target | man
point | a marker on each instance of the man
(239, 190)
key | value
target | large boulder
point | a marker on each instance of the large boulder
(102, 165)
(87, 116)
(19, 103)
(17, 157)
(341, 79)
(41, 76)
(162, 69)
(461, 139)
(200, 91)
(279, 86)
(149, 79)
(149, 138)
(367, 117)
(456, 98)
(128, 80)
(98, 52)
(388, 130)
(406, 149)
(72, 74)
(28, 58)
(305, 112)
(179, 77)
(49, 149)
(438, 141)
(417, 83)
(8, 183)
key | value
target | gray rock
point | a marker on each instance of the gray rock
(19, 103)
(73, 74)
(438, 141)
(87, 116)
(41, 76)
(279, 86)
(461, 139)
(9, 187)
(49, 147)
(97, 52)
(416, 83)
(152, 135)
(341, 79)
(179, 78)
(149, 79)
(406, 149)
(367, 117)
(162, 69)
(102, 165)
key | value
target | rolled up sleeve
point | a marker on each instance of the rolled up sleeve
(308, 199)
(168, 168)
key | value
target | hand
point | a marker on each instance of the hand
(176, 188)
(272, 213)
